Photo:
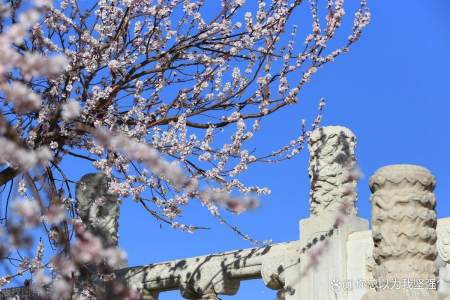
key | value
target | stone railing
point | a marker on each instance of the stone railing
(405, 256)
(205, 277)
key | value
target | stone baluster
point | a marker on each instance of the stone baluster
(443, 261)
(99, 211)
(404, 233)
(332, 160)
(332, 168)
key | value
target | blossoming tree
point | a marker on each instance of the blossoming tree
(141, 89)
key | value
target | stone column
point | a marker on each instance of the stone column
(98, 209)
(443, 260)
(332, 168)
(331, 164)
(404, 233)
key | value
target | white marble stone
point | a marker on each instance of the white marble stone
(443, 259)
(331, 158)
(220, 273)
(404, 233)
(359, 263)
(316, 282)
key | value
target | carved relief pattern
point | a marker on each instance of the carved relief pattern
(443, 261)
(404, 222)
(332, 155)
(97, 208)
(443, 244)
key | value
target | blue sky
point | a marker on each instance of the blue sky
(392, 91)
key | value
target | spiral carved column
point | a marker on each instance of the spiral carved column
(333, 178)
(404, 233)
(332, 160)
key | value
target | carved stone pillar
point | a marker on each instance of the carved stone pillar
(98, 209)
(404, 233)
(332, 172)
(332, 160)
(443, 260)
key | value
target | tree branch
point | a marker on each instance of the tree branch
(8, 174)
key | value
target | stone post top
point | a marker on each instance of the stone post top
(395, 174)
(332, 159)
(330, 131)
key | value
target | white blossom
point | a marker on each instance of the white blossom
(28, 209)
(70, 110)
(23, 98)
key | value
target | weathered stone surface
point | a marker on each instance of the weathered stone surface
(443, 259)
(332, 207)
(221, 273)
(97, 208)
(99, 211)
(332, 156)
(404, 231)
(360, 263)
(443, 241)
(315, 283)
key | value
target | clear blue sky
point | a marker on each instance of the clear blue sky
(391, 90)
